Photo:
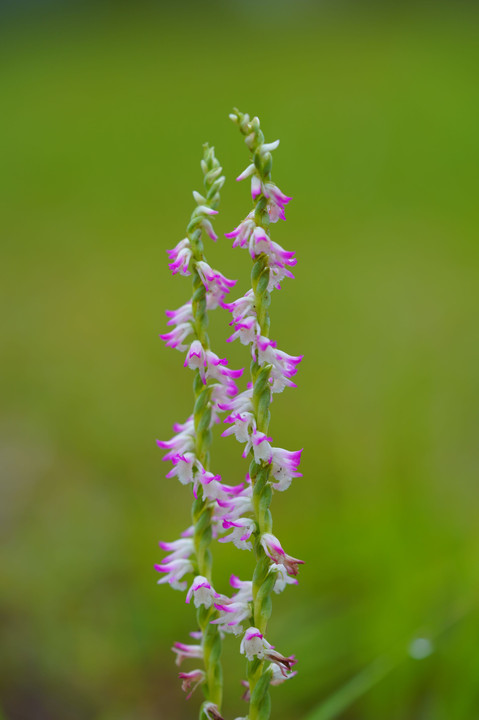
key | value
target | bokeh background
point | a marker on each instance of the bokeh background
(104, 111)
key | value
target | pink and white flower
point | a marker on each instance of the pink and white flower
(202, 592)
(247, 330)
(242, 529)
(233, 611)
(236, 505)
(180, 257)
(232, 614)
(243, 425)
(278, 199)
(211, 367)
(282, 577)
(218, 370)
(283, 363)
(279, 673)
(285, 467)
(182, 548)
(254, 644)
(182, 315)
(196, 358)
(242, 233)
(181, 443)
(204, 223)
(175, 570)
(242, 307)
(241, 403)
(175, 338)
(283, 663)
(184, 467)
(212, 279)
(213, 488)
(191, 680)
(277, 275)
(211, 711)
(185, 652)
(250, 170)
(272, 547)
(259, 442)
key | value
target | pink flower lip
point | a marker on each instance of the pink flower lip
(253, 634)
(224, 608)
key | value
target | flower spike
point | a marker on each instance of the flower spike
(271, 468)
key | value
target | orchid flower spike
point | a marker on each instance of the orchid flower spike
(229, 511)
(189, 561)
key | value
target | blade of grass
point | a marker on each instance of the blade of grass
(354, 689)
(372, 674)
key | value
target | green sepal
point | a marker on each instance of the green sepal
(266, 165)
(263, 281)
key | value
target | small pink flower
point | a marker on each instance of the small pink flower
(175, 570)
(242, 307)
(196, 358)
(283, 663)
(213, 488)
(244, 587)
(255, 187)
(174, 338)
(204, 223)
(214, 279)
(280, 673)
(285, 467)
(241, 403)
(184, 467)
(283, 363)
(202, 592)
(247, 330)
(282, 577)
(191, 680)
(236, 505)
(211, 711)
(178, 549)
(243, 528)
(275, 552)
(250, 170)
(262, 450)
(254, 644)
(242, 233)
(180, 257)
(275, 196)
(181, 315)
(244, 424)
(232, 614)
(181, 443)
(277, 275)
(184, 652)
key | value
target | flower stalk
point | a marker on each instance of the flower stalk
(239, 514)
(189, 450)
(271, 371)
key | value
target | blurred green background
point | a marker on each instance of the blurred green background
(104, 111)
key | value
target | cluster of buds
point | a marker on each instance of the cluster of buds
(232, 513)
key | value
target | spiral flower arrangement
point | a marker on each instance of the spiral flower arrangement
(232, 513)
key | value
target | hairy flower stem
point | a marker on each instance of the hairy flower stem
(263, 581)
(202, 509)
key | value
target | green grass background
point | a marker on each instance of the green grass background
(104, 111)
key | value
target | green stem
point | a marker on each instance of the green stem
(263, 581)
(202, 509)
